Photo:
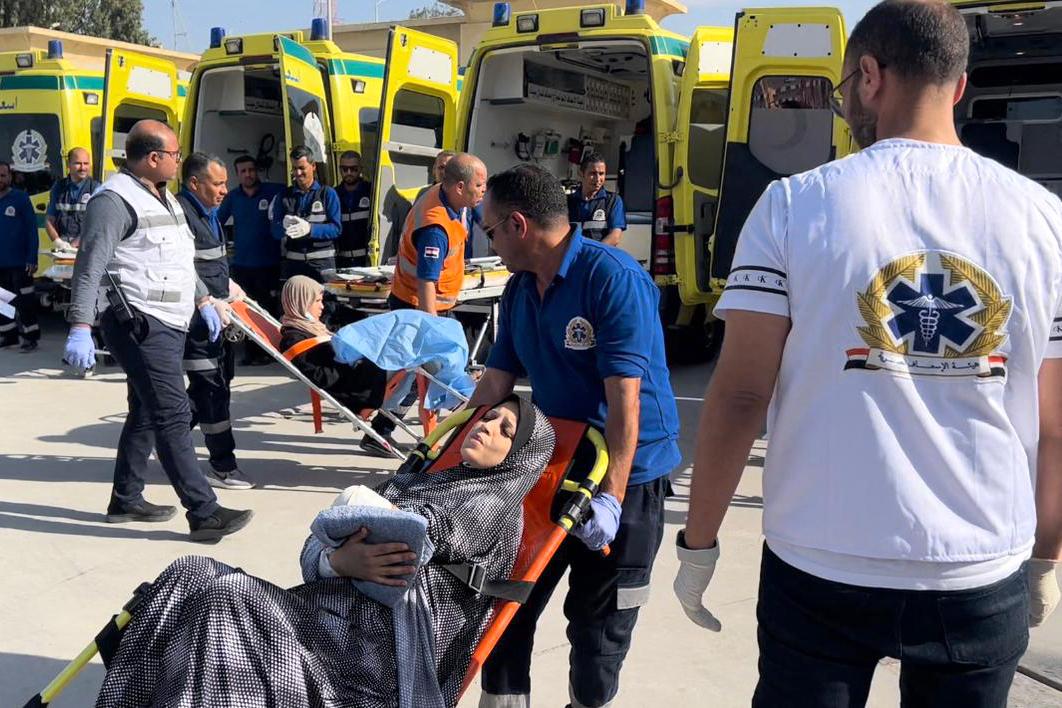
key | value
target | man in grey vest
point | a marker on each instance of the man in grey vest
(136, 242)
(210, 363)
(68, 199)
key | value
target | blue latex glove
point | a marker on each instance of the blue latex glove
(80, 350)
(600, 528)
(212, 319)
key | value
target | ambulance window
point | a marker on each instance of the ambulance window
(126, 116)
(30, 143)
(307, 127)
(417, 121)
(791, 124)
(369, 121)
(707, 137)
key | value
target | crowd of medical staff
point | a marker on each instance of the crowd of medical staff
(911, 509)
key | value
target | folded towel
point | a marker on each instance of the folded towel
(334, 524)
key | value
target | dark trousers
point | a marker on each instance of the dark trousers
(312, 269)
(209, 367)
(19, 282)
(821, 640)
(604, 595)
(159, 413)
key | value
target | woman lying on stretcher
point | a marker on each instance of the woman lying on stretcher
(207, 634)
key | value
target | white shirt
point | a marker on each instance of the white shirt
(923, 283)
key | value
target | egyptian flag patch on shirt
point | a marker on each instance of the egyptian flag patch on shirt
(431, 252)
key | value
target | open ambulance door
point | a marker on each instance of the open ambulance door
(418, 118)
(305, 106)
(135, 87)
(701, 119)
(787, 62)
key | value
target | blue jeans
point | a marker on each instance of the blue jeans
(160, 415)
(820, 641)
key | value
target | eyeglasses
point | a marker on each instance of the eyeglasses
(490, 229)
(175, 154)
(837, 97)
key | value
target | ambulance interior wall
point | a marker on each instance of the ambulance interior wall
(1012, 109)
(226, 128)
(499, 118)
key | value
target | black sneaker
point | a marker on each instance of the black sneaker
(369, 446)
(141, 511)
(27, 347)
(221, 523)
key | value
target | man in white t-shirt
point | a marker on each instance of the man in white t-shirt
(897, 315)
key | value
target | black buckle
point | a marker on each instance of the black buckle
(476, 577)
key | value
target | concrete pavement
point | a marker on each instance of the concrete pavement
(64, 571)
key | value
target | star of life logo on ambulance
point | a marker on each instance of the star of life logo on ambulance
(932, 313)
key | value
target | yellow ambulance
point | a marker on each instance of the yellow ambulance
(677, 119)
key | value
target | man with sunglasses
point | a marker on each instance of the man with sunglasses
(355, 199)
(580, 320)
(136, 241)
(897, 317)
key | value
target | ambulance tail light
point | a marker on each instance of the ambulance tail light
(663, 255)
(216, 35)
(502, 13)
(635, 7)
(55, 49)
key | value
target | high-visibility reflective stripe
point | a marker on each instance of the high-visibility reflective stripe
(353, 254)
(155, 221)
(28, 290)
(356, 216)
(210, 254)
(311, 256)
(163, 296)
(7, 327)
(407, 267)
(215, 428)
(65, 206)
(595, 224)
(32, 328)
(199, 365)
(317, 218)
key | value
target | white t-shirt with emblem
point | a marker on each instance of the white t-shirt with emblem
(924, 287)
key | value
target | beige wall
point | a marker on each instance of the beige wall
(81, 50)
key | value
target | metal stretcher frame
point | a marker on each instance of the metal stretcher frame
(547, 520)
(262, 328)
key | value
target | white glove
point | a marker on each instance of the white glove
(61, 245)
(1044, 593)
(235, 291)
(695, 572)
(296, 226)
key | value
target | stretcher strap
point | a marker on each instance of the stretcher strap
(304, 346)
(107, 641)
(473, 576)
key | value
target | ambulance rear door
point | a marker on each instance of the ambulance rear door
(701, 119)
(418, 117)
(135, 87)
(305, 105)
(787, 62)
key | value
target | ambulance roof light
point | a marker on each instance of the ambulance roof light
(635, 7)
(319, 29)
(502, 12)
(55, 49)
(24, 61)
(216, 35)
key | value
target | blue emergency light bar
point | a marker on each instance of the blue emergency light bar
(319, 29)
(55, 49)
(216, 35)
(635, 7)
(502, 13)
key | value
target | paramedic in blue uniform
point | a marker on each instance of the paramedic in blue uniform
(18, 263)
(579, 320)
(68, 199)
(355, 198)
(256, 261)
(209, 362)
(306, 220)
(598, 211)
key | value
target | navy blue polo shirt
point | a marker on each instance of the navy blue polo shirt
(18, 230)
(595, 215)
(433, 245)
(254, 244)
(598, 318)
(76, 193)
(325, 231)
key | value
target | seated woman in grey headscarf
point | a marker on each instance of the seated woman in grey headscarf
(208, 634)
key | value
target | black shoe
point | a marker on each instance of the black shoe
(141, 511)
(4, 343)
(221, 523)
(370, 447)
(27, 347)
